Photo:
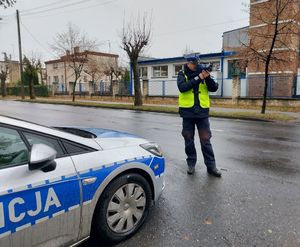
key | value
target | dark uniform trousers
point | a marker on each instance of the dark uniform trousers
(188, 132)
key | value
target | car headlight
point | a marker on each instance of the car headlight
(153, 148)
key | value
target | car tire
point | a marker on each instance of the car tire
(122, 208)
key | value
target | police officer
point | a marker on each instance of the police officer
(194, 83)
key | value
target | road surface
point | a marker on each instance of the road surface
(255, 203)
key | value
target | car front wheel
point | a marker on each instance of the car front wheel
(123, 208)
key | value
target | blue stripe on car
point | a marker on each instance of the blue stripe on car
(65, 188)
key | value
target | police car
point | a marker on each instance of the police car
(60, 185)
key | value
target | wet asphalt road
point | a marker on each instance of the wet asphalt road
(255, 203)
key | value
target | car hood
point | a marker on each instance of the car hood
(109, 139)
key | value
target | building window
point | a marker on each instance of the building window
(62, 78)
(144, 72)
(55, 66)
(160, 71)
(49, 78)
(56, 79)
(85, 78)
(177, 68)
(234, 67)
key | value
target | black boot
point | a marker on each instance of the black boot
(191, 170)
(214, 172)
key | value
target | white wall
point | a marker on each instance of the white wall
(156, 84)
(244, 87)
(227, 87)
(227, 83)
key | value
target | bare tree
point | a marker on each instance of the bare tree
(111, 70)
(4, 73)
(275, 26)
(93, 68)
(32, 68)
(7, 3)
(135, 38)
(72, 45)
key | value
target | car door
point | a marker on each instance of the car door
(37, 208)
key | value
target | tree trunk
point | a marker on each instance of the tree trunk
(3, 88)
(31, 89)
(138, 100)
(41, 74)
(111, 83)
(263, 108)
(74, 86)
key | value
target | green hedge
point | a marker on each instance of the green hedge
(40, 91)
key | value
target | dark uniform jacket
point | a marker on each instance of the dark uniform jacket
(196, 111)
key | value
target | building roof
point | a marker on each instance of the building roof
(11, 61)
(95, 53)
(237, 29)
(182, 59)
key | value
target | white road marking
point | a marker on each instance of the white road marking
(217, 130)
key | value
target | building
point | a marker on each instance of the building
(13, 72)
(160, 74)
(283, 81)
(95, 76)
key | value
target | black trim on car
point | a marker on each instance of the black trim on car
(65, 154)
(83, 147)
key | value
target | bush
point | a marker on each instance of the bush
(39, 91)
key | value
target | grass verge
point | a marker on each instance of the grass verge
(281, 117)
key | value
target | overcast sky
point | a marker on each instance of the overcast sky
(196, 24)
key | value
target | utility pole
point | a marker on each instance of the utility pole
(20, 56)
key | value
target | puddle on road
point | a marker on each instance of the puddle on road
(281, 165)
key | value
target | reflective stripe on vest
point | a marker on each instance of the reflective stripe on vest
(186, 99)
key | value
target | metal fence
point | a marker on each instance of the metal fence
(252, 86)
(101, 88)
(124, 88)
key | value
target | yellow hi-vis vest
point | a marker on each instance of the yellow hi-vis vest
(186, 99)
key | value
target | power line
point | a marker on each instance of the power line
(70, 11)
(43, 6)
(55, 8)
(36, 40)
(199, 27)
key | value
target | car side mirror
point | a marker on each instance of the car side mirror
(42, 157)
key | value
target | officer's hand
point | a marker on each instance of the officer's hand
(204, 74)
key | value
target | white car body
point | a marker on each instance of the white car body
(56, 208)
